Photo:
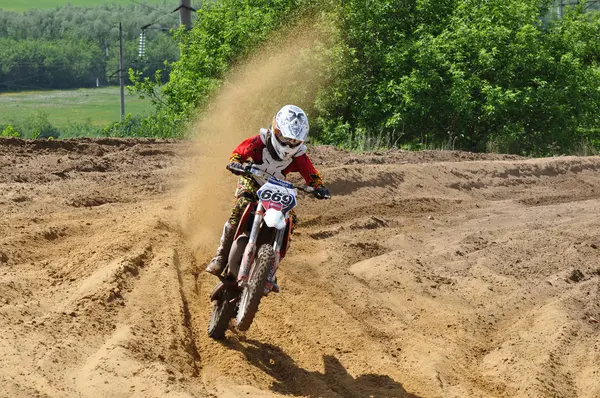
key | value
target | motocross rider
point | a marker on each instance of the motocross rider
(277, 150)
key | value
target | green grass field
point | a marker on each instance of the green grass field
(101, 106)
(11, 5)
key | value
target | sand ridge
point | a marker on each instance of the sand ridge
(429, 274)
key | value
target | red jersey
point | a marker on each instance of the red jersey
(253, 149)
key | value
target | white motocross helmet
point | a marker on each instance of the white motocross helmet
(289, 131)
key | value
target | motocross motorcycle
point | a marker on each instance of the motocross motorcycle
(260, 243)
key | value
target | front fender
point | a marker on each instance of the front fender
(275, 219)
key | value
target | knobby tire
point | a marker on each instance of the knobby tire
(221, 314)
(256, 287)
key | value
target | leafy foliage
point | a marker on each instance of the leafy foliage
(80, 129)
(158, 126)
(13, 5)
(464, 74)
(39, 127)
(33, 63)
(35, 127)
(471, 74)
(9, 131)
(72, 46)
(475, 74)
(225, 31)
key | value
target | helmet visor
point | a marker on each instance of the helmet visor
(290, 142)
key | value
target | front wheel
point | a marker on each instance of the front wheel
(222, 313)
(254, 290)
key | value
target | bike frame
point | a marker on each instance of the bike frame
(280, 243)
(250, 250)
(251, 246)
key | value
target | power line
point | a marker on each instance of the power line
(146, 5)
(590, 3)
(152, 23)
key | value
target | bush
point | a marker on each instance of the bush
(467, 73)
(472, 74)
(159, 125)
(80, 129)
(39, 127)
(9, 131)
(70, 46)
(36, 126)
(131, 126)
(224, 32)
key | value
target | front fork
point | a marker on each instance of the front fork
(250, 251)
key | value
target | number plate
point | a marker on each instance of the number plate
(277, 197)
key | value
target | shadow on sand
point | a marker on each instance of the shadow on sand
(291, 379)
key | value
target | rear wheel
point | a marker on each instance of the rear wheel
(253, 292)
(222, 313)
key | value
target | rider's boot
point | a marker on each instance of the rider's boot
(217, 264)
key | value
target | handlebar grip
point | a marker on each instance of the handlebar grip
(239, 170)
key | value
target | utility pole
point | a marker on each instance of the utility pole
(185, 13)
(121, 72)
(560, 8)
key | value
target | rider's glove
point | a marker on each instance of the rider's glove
(234, 167)
(322, 193)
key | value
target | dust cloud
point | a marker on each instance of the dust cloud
(284, 71)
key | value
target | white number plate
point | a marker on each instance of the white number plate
(277, 197)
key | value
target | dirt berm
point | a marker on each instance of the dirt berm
(429, 274)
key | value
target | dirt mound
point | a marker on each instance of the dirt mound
(428, 274)
(333, 156)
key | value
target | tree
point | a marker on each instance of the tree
(466, 74)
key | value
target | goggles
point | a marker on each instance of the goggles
(291, 142)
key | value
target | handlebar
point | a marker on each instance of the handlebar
(249, 170)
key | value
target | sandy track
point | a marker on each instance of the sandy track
(433, 274)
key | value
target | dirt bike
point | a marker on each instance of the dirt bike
(260, 243)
